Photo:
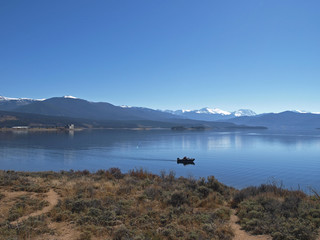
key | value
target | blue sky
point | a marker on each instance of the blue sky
(164, 54)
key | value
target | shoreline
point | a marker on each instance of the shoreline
(308, 191)
(176, 129)
(40, 130)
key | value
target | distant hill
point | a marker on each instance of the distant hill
(288, 120)
(11, 119)
(79, 108)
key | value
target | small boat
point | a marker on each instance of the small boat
(185, 160)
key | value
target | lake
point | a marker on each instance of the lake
(238, 159)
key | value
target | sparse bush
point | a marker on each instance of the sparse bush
(171, 176)
(152, 192)
(178, 198)
(85, 236)
(27, 229)
(140, 174)
(114, 173)
(85, 172)
(216, 186)
(264, 188)
(224, 232)
(1, 196)
(163, 174)
(124, 190)
(223, 214)
(203, 191)
(122, 233)
(24, 206)
(101, 172)
(292, 217)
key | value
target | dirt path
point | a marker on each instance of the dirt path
(243, 235)
(52, 198)
(10, 195)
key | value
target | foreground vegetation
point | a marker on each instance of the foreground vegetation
(139, 205)
(281, 213)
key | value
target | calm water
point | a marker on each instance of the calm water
(238, 159)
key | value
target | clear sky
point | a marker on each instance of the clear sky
(164, 54)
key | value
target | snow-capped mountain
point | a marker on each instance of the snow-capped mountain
(205, 110)
(212, 114)
(244, 112)
(68, 96)
(7, 103)
(2, 98)
(125, 106)
(212, 111)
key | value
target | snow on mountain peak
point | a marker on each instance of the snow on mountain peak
(304, 111)
(300, 111)
(186, 110)
(70, 97)
(2, 98)
(244, 112)
(212, 114)
(212, 111)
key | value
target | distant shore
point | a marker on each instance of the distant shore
(175, 128)
(73, 130)
(39, 129)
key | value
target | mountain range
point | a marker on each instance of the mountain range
(8, 104)
(61, 110)
(212, 114)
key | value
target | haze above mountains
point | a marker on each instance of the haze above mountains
(61, 110)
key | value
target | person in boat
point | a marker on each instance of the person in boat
(185, 159)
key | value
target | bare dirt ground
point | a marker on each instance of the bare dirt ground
(52, 198)
(243, 235)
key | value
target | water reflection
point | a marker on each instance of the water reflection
(219, 141)
(138, 139)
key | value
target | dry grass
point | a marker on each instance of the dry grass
(112, 205)
(138, 205)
